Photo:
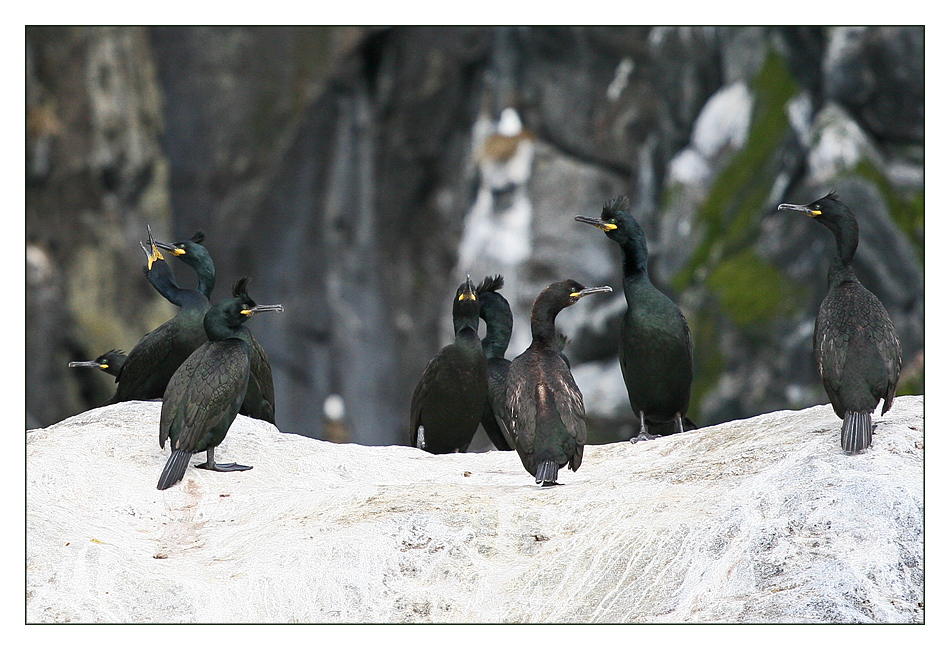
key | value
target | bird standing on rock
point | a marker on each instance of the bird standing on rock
(856, 345)
(205, 393)
(496, 312)
(544, 407)
(656, 349)
(450, 397)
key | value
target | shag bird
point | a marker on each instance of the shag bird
(856, 345)
(109, 363)
(656, 349)
(259, 402)
(496, 312)
(449, 399)
(544, 407)
(205, 393)
(154, 359)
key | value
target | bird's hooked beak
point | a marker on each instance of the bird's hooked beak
(88, 364)
(590, 290)
(151, 252)
(594, 221)
(800, 208)
(259, 308)
(171, 248)
(469, 292)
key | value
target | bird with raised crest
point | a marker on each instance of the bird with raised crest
(656, 349)
(205, 393)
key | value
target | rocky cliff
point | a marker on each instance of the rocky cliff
(357, 174)
(759, 521)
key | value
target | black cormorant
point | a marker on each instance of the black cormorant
(154, 359)
(109, 363)
(856, 346)
(496, 312)
(205, 393)
(259, 401)
(544, 407)
(656, 349)
(449, 399)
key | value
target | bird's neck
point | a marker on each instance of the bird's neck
(634, 257)
(497, 335)
(206, 282)
(839, 272)
(846, 241)
(542, 326)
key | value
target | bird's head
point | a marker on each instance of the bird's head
(616, 221)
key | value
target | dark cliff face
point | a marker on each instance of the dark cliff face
(357, 174)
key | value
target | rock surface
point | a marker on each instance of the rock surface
(761, 520)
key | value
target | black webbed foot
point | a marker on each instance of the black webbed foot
(224, 467)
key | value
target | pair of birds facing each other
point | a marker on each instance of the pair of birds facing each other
(144, 373)
(205, 392)
(531, 404)
(855, 343)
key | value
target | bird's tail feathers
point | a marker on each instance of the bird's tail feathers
(546, 473)
(855, 432)
(174, 469)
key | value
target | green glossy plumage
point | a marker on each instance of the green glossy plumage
(449, 399)
(259, 402)
(496, 312)
(656, 348)
(206, 392)
(150, 364)
(855, 343)
(544, 409)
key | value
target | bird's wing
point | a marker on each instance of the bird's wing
(831, 348)
(520, 415)
(202, 391)
(888, 346)
(150, 352)
(570, 406)
(430, 377)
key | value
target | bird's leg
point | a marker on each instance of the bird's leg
(225, 467)
(644, 434)
(679, 422)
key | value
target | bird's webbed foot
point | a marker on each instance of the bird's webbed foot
(643, 436)
(224, 467)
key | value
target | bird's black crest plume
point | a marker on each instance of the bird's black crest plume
(833, 195)
(198, 237)
(490, 283)
(114, 351)
(240, 287)
(617, 204)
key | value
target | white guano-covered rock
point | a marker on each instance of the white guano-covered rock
(761, 520)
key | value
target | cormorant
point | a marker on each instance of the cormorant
(544, 407)
(154, 359)
(856, 345)
(259, 401)
(205, 393)
(449, 399)
(496, 312)
(109, 363)
(656, 349)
